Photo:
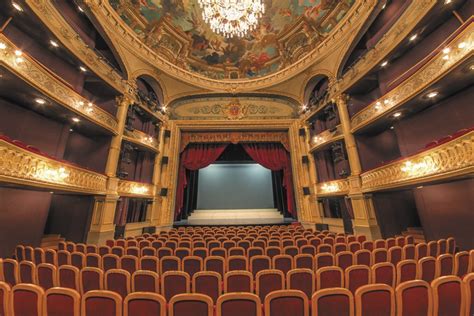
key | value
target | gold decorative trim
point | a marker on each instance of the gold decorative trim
(21, 166)
(40, 78)
(52, 18)
(109, 18)
(141, 138)
(135, 189)
(417, 10)
(333, 188)
(460, 50)
(454, 158)
(326, 137)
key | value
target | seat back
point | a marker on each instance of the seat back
(101, 303)
(406, 271)
(46, 275)
(27, 299)
(328, 277)
(344, 259)
(286, 302)
(414, 298)
(62, 301)
(169, 263)
(304, 261)
(409, 252)
(64, 257)
(356, 276)
(38, 255)
(322, 260)
(238, 281)
(469, 293)
(150, 263)
(375, 299)
(208, 283)
(379, 255)
(192, 265)
(5, 298)
(145, 281)
(144, 304)
(259, 263)
(448, 296)
(215, 264)
(129, 263)
(461, 264)
(302, 280)
(395, 255)
(118, 281)
(363, 257)
(78, 260)
(173, 283)
(444, 265)
(336, 301)
(268, 281)
(284, 263)
(383, 273)
(91, 279)
(93, 260)
(68, 277)
(421, 251)
(27, 272)
(110, 261)
(236, 304)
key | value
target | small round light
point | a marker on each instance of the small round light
(18, 53)
(17, 7)
(19, 60)
(76, 120)
(54, 43)
(397, 114)
(90, 104)
(413, 37)
(3, 45)
(462, 45)
(82, 68)
(40, 101)
(432, 94)
(71, 130)
(80, 9)
(446, 50)
(447, 1)
(385, 63)
(391, 127)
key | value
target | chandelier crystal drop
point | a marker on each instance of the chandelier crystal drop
(232, 17)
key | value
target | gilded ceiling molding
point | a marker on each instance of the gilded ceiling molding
(437, 67)
(49, 16)
(332, 188)
(138, 137)
(404, 25)
(326, 137)
(109, 18)
(234, 138)
(135, 189)
(446, 161)
(42, 79)
(24, 167)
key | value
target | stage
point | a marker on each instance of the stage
(235, 217)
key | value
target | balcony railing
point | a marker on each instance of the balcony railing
(26, 68)
(326, 137)
(135, 189)
(459, 50)
(446, 161)
(333, 188)
(141, 138)
(22, 166)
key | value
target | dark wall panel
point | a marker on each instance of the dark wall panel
(375, 150)
(70, 216)
(448, 210)
(23, 216)
(87, 152)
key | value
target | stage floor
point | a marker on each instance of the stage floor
(234, 217)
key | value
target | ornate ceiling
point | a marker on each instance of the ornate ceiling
(288, 31)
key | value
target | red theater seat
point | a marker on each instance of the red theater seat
(268, 281)
(101, 303)
(118, 281)
(173, 283)
(383, 273)
(208, 283)
(375, 300)
(286, 302)
(329, 277)
(145, 281)
(356, 276)
(426, 269)
(448, 296)
(237, 304)
(68, 277)
(62, 301)
(27, 299)
(5, 298)
(302, 280)
(335, 301)
(414, 298)
(238, 281)
(144, 304)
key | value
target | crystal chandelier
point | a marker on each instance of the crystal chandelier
(232, 17)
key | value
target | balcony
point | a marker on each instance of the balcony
(320, 140)
(27, 166)
(135, 189)
(447, 160)
(444, 68)
(139, 138)
(37, 76)
(333, 188)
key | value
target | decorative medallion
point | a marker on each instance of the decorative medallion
(235, 111)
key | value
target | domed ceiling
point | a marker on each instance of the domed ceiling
(176, 31)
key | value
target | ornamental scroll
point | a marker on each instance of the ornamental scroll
(235, 138)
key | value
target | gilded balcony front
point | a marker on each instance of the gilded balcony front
(26, 68)
(333, 188)
(22, 166)
(446, 161)
(459, 50)
(328, 136)
(135, 189)
(141, 138)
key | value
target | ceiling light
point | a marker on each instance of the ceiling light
(385, 63)
(19, 60)
(384, 6)
(3, 45)
(18, 53)
(413, 37)
(40, 101)
(80, 9)
(432, 94)
(471, 67)
(76, 120)
(447, 1)
(391, 127)
(446, 50)
(446, 57)
(54, 43)
(90, 104)
(82, 68)
(71, 130)
(462, 45)
(420, 187)
(17, 6)
(81, 103)
(378, 105)
(397, 114)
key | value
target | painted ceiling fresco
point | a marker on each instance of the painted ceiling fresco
(288, 30)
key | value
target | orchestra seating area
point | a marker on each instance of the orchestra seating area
(242, 270)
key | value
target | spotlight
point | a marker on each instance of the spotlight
(76, 120)
(40, 101)
(385, 63)
(54, 43)
(71, 130)
(397, 114)
(80, 9)
(413, 37)
(391, 127)
(82, 68)
(17, 7)
(3, 45)
(432, 94)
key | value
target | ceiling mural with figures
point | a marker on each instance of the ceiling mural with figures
(288, 30)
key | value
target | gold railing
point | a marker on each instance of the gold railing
(21, 166)
(335, 187)
(449, 160)
(40, 78)
(325, 137)
(135, 189)
(141, 138)
(56, 23)
(455, 53)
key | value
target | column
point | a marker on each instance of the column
(364, 222)
(156, 180)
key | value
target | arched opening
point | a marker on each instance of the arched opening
(315, 91)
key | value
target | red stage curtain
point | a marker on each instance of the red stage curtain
(274, 157)
(194, 157)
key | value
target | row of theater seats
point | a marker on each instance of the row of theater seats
(446, 296)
